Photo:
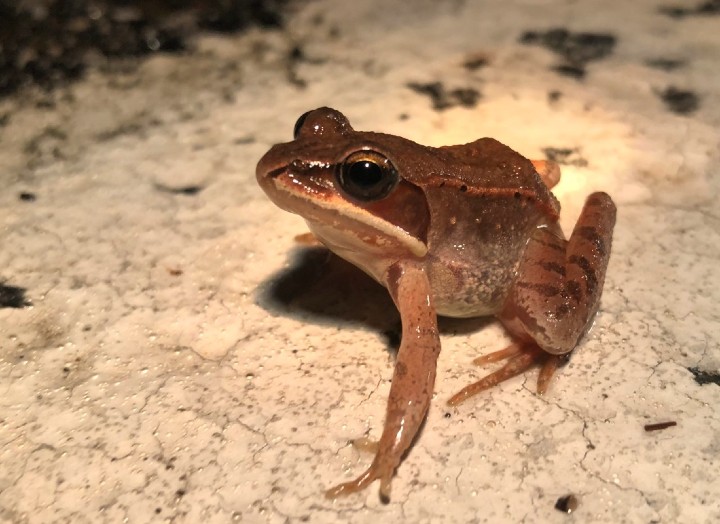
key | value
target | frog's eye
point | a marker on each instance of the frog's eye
(367, 175)
(299, 124)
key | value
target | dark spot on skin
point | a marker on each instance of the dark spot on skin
(665, 64)
(707, 8)
(562, 311)
(400, 369)
(550, 245)
(545, 290)
(590, 278)
(442, 98)
(403, 116)
(180, 493)
(187, 190)
(680, 101)
(442, 184)
(575, 49)
(590, 234)
(565, 156)
(447, 414)
(463, 188)
(553, 267)
(567, 504)
(704, 377)
(26, 196)
(517, 195)
(554, 96)
(13, 297)
(573, 290)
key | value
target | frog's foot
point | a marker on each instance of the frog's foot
(374, 472)
(520, 357)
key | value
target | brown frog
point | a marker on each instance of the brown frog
(461, 231)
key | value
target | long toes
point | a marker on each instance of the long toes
(515, 366)
(510, 351)
(549, 366)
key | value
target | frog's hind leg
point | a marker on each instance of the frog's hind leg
(520, 358)
(551, 304)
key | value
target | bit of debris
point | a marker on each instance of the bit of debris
(660, 425)
(567, 504)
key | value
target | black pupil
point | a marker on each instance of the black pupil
(365, 174)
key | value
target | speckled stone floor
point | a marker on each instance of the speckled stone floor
(169, 352)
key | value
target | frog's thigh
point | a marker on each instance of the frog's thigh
(560, 282)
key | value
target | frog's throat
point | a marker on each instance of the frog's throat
(357, 214)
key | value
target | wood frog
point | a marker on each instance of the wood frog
(462, 231)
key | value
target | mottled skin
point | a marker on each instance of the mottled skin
(461, 231)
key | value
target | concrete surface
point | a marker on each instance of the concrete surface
(177, 356)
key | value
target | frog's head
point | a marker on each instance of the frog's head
(351, 187)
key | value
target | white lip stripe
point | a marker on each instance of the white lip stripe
(417, 248)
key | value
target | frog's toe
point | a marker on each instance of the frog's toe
(520, 358)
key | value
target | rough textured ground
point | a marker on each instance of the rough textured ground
(168, 352)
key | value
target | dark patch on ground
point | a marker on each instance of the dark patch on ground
(680, 101)
(50, 42)
(475, 62)
(554, 96)
(705, 377)
(26, 196)
(665, 64)
(185, 190)
(572, 70)
(296, 57)
(575, 49)
(12, 296)
(443, 98)
(565, 156)
(708, 8)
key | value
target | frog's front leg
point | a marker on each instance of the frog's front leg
(557, 292)
(413, 379)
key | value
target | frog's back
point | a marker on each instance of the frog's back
(490, 167)
(487, 205)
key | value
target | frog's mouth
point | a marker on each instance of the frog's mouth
(315, 198)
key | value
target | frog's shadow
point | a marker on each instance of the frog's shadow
(319, 286)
